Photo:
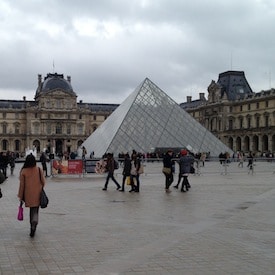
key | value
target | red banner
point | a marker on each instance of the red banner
(72, 166)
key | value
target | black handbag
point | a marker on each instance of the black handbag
(44, 200)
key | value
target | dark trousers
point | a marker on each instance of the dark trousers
(135, 187)
(185, 183)
(169, 178)
(34, 217)
(44, 167)
(111, 176)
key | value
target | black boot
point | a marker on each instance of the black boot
(32, 233)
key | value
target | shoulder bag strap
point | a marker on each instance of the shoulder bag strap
(39, 175)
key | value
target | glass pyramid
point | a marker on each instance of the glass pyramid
(148, 119)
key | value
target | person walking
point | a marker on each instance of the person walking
(168, 170)
(185, 163)
(44, 159)
(31, 182)
(241, 159)
(135, 172)
(110, 167)
(11, 159)
(250, 164)
(126, 170)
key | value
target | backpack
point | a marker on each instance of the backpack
(116, 166)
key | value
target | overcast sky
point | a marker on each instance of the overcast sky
(109, 47)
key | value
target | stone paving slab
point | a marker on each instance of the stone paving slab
(225, 224)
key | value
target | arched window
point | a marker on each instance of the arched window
(4, 145)
(17, 145)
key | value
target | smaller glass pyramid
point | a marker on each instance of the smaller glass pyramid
(148, 119)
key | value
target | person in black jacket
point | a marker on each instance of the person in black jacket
(110, 167)
(44, 160)
(126, 170)
(168, 169)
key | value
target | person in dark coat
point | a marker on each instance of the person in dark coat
(110, 167)
(44, 159)
(168, 170)
(185, 163)
(126, 170)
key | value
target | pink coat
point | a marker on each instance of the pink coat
(31, 185)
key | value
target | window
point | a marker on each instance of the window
(248, 107)
(257, 105)
(266, 104)
(257, 122)
(241, 122)
(241, 108)
(94, 117)
(248, 122)
(80, 129)
(68, 129)
(17, 128)
(5, 128)
(80, 116)
(17, 145)
(4, 145)
(49, 130)
(36, 128)
(230, 124)
(266, 121)
(58, 103)
(230, 109)
(58, 129)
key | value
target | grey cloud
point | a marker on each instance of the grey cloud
(181, 47)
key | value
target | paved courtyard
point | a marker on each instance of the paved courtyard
(225, 224)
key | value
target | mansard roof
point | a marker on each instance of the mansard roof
(234, 85)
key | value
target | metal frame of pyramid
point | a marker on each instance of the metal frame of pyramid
(148, 119)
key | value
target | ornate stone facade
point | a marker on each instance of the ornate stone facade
(54, 120)
(240, 118)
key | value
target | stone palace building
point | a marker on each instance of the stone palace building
(55, 121)
(240, 118)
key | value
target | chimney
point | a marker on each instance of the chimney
(39, 79)
(80, 101)
(69, 78)
(24, 98)
(202, 96)
(189, 98)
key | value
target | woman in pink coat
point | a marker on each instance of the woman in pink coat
(31, 181)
